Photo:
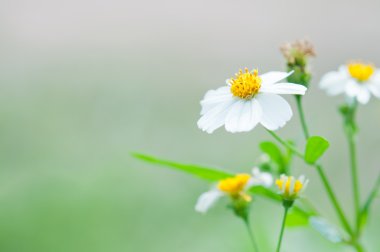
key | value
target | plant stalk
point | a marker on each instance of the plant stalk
(251, 236)
(282, 229)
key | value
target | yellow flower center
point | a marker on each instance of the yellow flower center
(360, 71)
(281, 183)
(245, 84)
(234, 185)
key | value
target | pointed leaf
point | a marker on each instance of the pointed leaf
(206, 173)
(315, 148)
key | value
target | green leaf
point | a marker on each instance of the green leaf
(267, 193)
(273, 152)
(278, 160)
(297, 218)
(315, 148)
(206, 173)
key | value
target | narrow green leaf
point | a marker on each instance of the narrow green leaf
(206, 173)
(315, 148)
(262, 191)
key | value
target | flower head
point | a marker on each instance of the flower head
(290, 187)
(357, 80)
(235, 188)
(248, 99)
(298, 51)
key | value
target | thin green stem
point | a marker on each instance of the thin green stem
(333, 199)
(302, 116)
(286, 144)
(282, 229)
(354, 176)
(251, 236)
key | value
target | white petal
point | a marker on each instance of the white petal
(352, 88)
(243, 116)
(276, 111)
(214, 97)
(375, 77)
(334, 82)
(272, 77)
(363, 96)
(375, 89)
(284, 88)
(215, 117)
(207, 200)
(260, 178)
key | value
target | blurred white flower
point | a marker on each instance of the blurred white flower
(249, 99)
(290, 187)
(235, 187)
(357, 80)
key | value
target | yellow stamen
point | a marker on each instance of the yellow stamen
(298, 186)
(287, 182)
(279, 183)
(245, 84)
(235, 184)
(360, 71)
(287, 185)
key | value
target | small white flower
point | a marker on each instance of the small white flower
(291, 187)
(355, 80)
(249, 99)
(235, 187)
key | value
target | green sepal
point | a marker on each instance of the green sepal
(299, 76)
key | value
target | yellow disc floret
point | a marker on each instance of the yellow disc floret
(234, 185)
(360, 71)
(245, 84)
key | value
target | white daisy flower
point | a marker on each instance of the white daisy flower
(235, 187)
(290, 187)
(357, 80)
(249, 99)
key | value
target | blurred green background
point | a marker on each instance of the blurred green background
(83, 83)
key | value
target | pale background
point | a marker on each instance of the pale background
(84, 83)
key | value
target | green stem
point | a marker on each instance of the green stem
(324, 179)
(286, 144)
(350, 128)
(302, 116)
(282, 229)
(358, 247)
(333, 199)
(354, 176)
(251, 236)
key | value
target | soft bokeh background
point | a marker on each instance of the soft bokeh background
(84, 83)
